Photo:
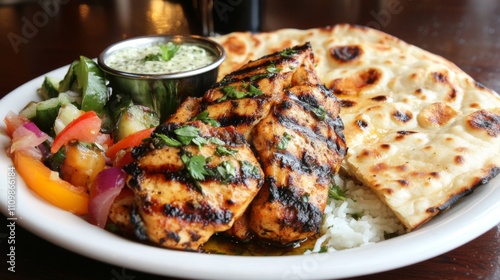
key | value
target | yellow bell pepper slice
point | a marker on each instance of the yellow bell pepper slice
(40, 179)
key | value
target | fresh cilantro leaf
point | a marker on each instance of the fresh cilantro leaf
(168, 51)
(232, 92)
(288, 52)
(199, 141)
(259, 76)
(216, 141)
(223, 151)
(186, 133)
(195, 166)
(320, 112)
(273, 69)
(248, 169)
(203, 116)
(336, 193)
(226, 170)
(153, 57)
(168, 141)
(254, 91)
(283, 143)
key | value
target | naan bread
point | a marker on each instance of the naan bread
(421, 133)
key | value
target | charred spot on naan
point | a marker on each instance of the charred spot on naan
(483, 121)
(402, 116)
(346, 54)
(351, 85)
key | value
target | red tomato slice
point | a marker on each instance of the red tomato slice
(129, 141)
(84, 128)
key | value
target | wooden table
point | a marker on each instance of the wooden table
(38, 36)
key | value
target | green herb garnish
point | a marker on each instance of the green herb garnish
(167, 52)
(195, 166)
(283, 143)
(288, 52)
(259, 76)
(186, 134)
(336, 193)
(153, 57)
(232, 92)
(168, 141)
(248, 169)
(254, 91)
(216, 141)
(320, 112)
(199, 141)
(203, 116)
(226, 171)
(273, 69)
(223, 151)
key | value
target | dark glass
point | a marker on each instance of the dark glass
(212, 17)
(236, 15)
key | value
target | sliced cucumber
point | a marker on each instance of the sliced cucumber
(44, 113)
(30, 110)
(133, 119)
(50, 88)
(66, 114)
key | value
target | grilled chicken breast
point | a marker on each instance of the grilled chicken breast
(300, 145)
(291, 121)
(191, 180)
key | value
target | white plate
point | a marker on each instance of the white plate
(463, 222)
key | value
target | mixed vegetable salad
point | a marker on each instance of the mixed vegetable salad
(69, 148)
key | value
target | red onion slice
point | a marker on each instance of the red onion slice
(105, 188)
(27, 137)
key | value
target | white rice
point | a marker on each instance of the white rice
(341, 230)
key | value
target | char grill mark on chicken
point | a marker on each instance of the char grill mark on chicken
(184, 194)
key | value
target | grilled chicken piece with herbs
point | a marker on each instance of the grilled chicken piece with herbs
(246, 95)
(252, 99)
(190, 180)
(300, 145)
